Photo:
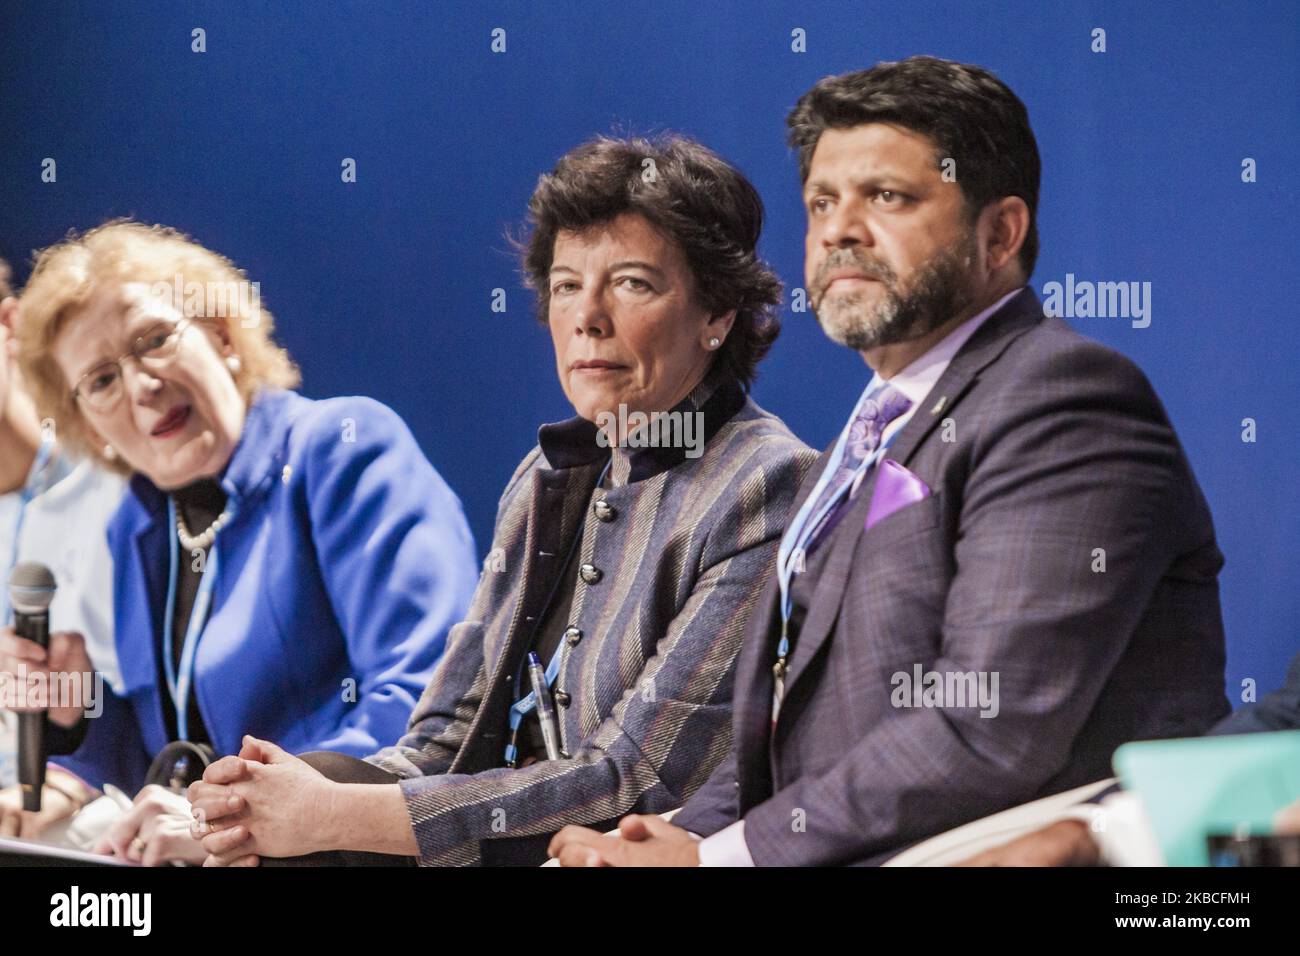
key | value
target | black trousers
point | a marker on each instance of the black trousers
(344, 769)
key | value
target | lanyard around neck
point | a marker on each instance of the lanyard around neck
(179, 685)
(805, 520)
(794, 542)
(528, 703)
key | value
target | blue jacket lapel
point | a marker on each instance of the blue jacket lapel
(248, 475)
(140, 660)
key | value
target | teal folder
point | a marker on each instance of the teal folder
(1201, 786)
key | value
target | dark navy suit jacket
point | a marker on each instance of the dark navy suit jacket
(346, 563)
(1278, 710)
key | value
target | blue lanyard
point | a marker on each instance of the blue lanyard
(806, 522)
(179, 685)
(528, 703)
(36, 484)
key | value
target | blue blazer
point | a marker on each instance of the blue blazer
(346, 562)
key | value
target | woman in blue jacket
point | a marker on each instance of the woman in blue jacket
(284, 567)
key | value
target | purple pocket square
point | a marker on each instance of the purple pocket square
(895, 488)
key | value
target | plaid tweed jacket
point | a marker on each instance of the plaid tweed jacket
(672, 563)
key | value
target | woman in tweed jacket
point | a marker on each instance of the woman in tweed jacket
(629, 548)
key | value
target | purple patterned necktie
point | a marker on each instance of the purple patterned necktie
(864, 438)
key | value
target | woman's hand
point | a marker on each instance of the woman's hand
(155, 831)
(55, 805)
(65, 655)
(1287, 819)
(1064, 843)
(287, 806)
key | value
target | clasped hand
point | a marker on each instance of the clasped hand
(642, 840)
(261, 802)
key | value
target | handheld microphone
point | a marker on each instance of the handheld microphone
(31, 589)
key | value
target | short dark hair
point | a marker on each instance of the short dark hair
(971, 115)
(696, 199)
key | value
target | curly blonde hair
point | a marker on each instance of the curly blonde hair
(68, 274)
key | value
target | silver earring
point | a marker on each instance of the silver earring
(714, 342)
(234, 364)
(110, 453)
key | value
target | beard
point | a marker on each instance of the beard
(939, 290)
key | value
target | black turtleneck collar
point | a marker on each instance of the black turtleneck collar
(573, 443)
(202, 499)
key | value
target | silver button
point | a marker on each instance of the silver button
(590, 573)
(604, 510)
(562, 698)
(573, 635)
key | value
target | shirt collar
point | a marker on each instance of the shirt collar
(574, 442)
(916, 380)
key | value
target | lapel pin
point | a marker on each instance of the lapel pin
(938, 406)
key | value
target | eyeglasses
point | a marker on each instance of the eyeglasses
(102, 387)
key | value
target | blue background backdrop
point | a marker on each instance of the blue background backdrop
(383, 287)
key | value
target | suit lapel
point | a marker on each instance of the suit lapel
(989, 341)
(752, 700)
(151, 555)
(752, 697)
(759, 648)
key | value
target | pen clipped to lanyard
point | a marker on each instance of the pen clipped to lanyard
(545, 707)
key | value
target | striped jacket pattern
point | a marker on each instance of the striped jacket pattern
(670, 574)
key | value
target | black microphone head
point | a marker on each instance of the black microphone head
(31, 587)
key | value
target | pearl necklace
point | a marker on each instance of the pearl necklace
(192, 542)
